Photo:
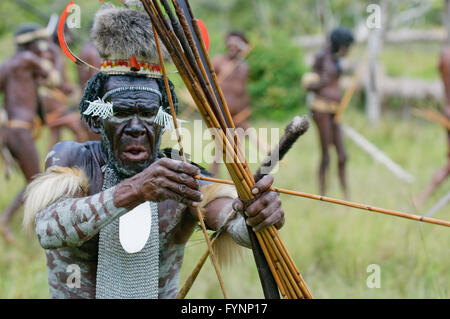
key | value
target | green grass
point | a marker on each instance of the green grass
(331, 245)
(22, 265)
(412, 60)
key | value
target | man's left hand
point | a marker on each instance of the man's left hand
(266, 209)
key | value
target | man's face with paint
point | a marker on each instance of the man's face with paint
(133, 136)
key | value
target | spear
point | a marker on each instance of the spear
(433, 116)
(377, 154)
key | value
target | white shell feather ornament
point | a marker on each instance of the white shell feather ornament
(135, 227)
(99, 108)
(165, 120)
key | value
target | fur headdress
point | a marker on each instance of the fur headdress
(124, 39)
(120, 33)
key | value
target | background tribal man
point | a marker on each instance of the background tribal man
(54, 97)
(327, 96)
(20, 76)
(232, 73)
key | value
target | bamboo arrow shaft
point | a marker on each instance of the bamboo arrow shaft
(173, 112)
(343, 203)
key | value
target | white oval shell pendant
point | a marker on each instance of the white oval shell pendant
(134, 228)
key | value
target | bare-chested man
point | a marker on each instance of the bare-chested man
(232, 73)
(444, 172)
(53, 94)
(20, 76)
(90, 55)
(326, 101)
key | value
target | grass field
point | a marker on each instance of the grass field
(331, 245)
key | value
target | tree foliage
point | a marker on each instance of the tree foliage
(276, 68)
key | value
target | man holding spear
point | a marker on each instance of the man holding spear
(327, 96)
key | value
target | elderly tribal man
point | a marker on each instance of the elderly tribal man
(121, 209)
(20, 76)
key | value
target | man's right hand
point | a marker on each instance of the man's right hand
(164, 179)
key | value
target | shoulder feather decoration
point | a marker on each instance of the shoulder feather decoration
(225, 247)
(47, 188)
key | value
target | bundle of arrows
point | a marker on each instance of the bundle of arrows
(183, 39)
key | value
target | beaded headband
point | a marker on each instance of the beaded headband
(131, 67)
(31, 36)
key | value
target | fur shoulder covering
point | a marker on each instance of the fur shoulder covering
(225, 247)
(47, 188)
